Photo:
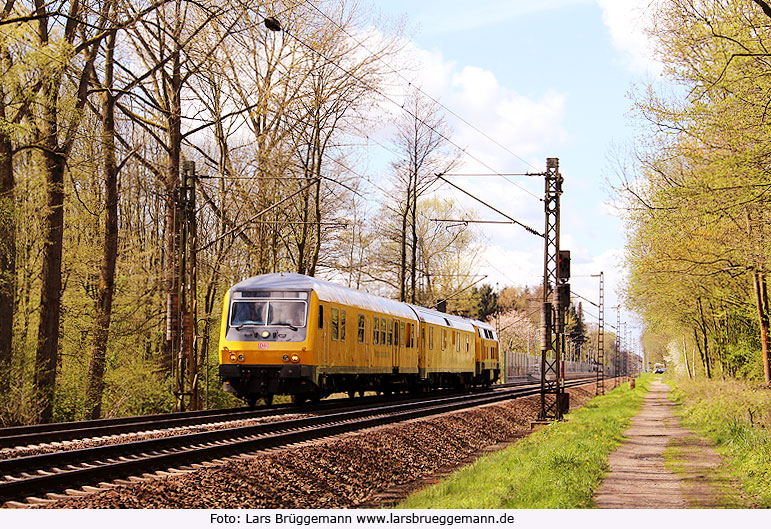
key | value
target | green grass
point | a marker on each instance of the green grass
(559, 466)
(703, 485)
(736, 418)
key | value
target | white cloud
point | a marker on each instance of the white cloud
(627, 21)
(523, 125)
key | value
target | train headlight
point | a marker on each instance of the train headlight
(232, 357)
(295, 358)
(286, 358)
(240, 358)
(265, 334)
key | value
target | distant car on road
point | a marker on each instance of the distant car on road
(658, 369)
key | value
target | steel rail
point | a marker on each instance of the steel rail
(19, 436)
(79, 430)
(44, 473)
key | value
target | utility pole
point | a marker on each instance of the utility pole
(553, 397)
(186, 380)
(617, 355)
(600, 358)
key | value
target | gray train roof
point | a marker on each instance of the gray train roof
(326, 291)
(438, 318)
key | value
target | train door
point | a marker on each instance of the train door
(392, 346)
(324, 330)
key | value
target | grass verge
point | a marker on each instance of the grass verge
(557, 467)
(705, 483)
(736, 417)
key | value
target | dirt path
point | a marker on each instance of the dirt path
(639, 478)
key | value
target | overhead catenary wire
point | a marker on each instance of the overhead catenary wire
(409, 112)
(398, 73)
(515, 221)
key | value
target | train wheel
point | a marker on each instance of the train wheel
(351, 394)
(300, 398)
(269, 399)
(251, 401)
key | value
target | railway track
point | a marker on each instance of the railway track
(52, 473)
(20, 436)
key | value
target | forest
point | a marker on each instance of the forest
(153, 153)
(695, 190)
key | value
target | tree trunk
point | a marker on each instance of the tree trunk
(761, 301)
(95, 381)
(173, 213)
(685, 355)
(414, 245)
(7, 253)
(51, 285)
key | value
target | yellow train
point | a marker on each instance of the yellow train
(296, 335)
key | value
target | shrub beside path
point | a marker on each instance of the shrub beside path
(661, 465)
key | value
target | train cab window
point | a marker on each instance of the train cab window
(335, 323)
(361, 328)
(430, 337)
(401, 333)
(382, 331)
(321, 316)
(342, 325)
(376, 329)
(390, 332)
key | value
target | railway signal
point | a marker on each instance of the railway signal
(564, 264)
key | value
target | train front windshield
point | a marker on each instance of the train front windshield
(280, 313)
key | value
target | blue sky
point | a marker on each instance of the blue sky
(545, 79)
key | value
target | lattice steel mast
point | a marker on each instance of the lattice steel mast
(552, 387)
(600, 359)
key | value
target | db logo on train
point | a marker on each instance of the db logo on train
(263, 345)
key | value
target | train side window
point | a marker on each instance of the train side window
(321, 316)
(467, 343)
(335, 323)
(401, 333)
(456, 339)
(412, 336)
(361, 328)
(342, 325)
(396, 333)
(390, 332)
(430, 337)
(376, 333)
(444, 339)
(382, 331)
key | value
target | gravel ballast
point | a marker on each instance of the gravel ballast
(342, 472)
